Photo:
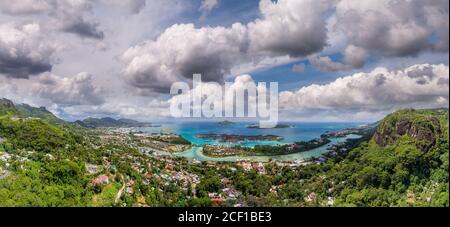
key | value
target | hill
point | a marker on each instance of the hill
(108, 122)
(25, 110)
(7, 107)
(404, 164)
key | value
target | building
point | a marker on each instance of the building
(102, 179)
(92, 169)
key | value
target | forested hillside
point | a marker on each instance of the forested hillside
(405, 163)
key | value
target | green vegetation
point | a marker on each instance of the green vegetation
(108, 122)
(385, 171)
(25, 111)
(264, 150)
(405, 163)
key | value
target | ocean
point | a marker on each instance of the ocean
(295, 133)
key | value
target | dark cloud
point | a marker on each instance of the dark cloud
(22, 67)
(391, 28)
(70, 91)
(24, 51)
(84, 29)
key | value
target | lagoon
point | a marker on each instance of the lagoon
(295, 133)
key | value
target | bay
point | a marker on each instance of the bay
(296, 132)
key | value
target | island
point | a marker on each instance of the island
(221, 151)
(257, 126)
(225, 123)
(263, 150)
(229, 138)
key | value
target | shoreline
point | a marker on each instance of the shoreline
(235, 152)
(196, 154)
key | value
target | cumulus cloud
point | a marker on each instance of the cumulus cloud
(223, 100)
(24, 50)
(181, 51)
(354, 58)
(325, 64)
(390, 28)
(66, 15)
(416, 86)
(82, 28)
(70, 17)
(69, 91)
(48, 89)
(136, 110)
(287, 27)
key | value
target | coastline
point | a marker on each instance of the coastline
(196, 154)
(259, 151)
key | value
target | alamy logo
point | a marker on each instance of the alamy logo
(211, 100)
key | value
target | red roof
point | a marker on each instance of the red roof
(218, 199)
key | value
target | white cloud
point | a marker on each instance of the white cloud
(25, 6)
(393, 34)
(287, 28)
(48, 89)
(69, 91)
(66, 15)
(325, 64)
(354, 58)
(215, 94)
(181, 51)
(381, 89)
(389, 28)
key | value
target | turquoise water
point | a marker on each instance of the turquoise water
(196, 154)
(297, 132)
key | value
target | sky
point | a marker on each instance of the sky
(334, 60)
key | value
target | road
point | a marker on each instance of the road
(119, 194)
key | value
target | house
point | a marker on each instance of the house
(259, 167)
(217, 200)
(231, 193)
(102, 179)
(212, 195)
(130, 190)
(247, 166)
(293, 147)
(92, 169)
